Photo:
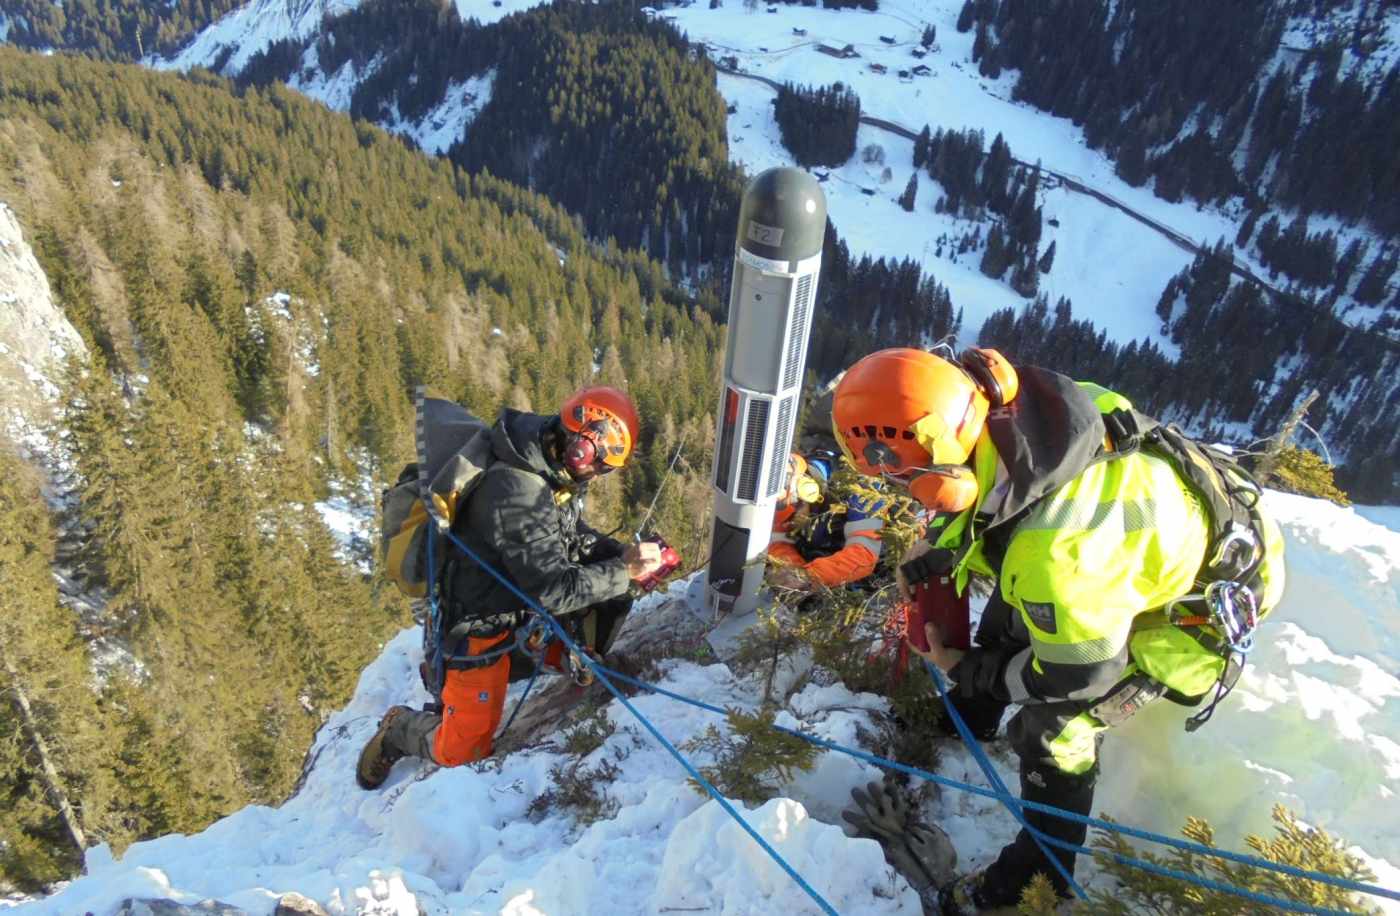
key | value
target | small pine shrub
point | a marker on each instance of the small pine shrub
(1306, 473)
(580, 790)
(650, 665)
(1139, 891)
(752, 758)
(1038, 898)
(855, 635)
(587, 736)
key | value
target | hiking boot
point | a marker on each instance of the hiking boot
(379, 756)
(963, 896)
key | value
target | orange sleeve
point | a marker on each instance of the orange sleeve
(849, 564)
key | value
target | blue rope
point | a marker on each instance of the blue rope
(646, 723)
(1015, 804)
(1185, 845)
(1012, 802)
(519, 703)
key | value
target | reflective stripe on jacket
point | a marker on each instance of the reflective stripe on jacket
(1089, 549)
(852, 561)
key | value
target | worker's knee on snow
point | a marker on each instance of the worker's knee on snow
(463, 736)
(471, 709)
(454, 747)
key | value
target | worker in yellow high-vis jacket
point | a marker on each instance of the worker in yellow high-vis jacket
(1113, 585)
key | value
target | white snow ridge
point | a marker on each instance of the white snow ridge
(35, 339)
(1315, 724)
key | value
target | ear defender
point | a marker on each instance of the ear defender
(945, 488)
(580, 453)
(993, 374)
(808, 490)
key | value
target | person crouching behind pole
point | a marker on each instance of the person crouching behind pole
(1099, 539)
(525, 520)
(818, 545)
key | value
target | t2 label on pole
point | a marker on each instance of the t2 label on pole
(765, 235)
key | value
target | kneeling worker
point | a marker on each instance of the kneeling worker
(819, 541)
(1130, 564)
(525, 520)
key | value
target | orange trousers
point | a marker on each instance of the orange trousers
(472, 701)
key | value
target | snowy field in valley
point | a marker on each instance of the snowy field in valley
(1110, 265)
(1315, 724)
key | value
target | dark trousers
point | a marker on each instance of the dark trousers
(1057, 744)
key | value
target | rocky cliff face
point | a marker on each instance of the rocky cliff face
(35, 339)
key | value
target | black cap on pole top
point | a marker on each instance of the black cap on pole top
(783, 215)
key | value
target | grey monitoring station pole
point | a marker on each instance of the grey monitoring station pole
(777, 256)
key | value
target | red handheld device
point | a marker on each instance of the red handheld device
(670, 562)
(937, 601)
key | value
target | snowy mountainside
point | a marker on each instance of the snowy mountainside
(227, 45)
(1110, 265)
(1315, 724)
(1115, 248)
(35, 336)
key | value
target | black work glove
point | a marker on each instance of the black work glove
(982, 673)
(937, 561)
(922, 854)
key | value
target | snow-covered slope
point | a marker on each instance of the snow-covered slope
(1315, 724)
(35, 337)
(231, 42)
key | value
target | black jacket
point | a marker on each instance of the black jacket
(524, 519)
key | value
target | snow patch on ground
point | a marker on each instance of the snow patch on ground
(351, 513)
(250, 29)
(334, 90)
(234, 39)
(1338, 27)
(447, 123)
(1315, 723)
(489, 11)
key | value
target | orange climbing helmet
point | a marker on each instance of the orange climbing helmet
(914, 417)
(604, 425)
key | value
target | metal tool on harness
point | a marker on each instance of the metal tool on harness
(535, 639)
(1225, 603)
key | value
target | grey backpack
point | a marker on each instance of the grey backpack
(454, 449)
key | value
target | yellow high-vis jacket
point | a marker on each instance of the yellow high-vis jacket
(1088, 547)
